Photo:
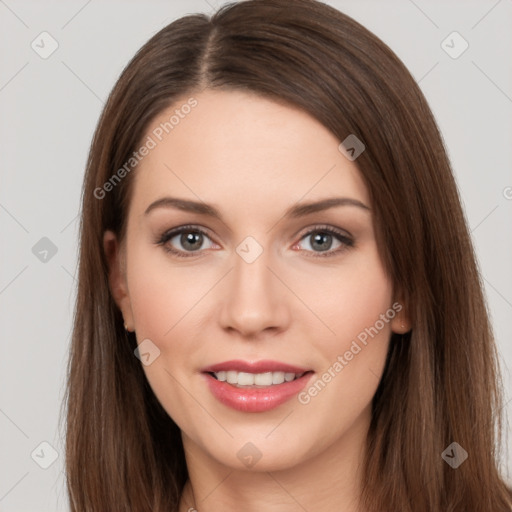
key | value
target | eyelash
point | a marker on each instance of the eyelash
(346, 241)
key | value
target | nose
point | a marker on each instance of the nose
(253, 300)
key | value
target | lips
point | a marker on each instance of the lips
(255, 386)
(254, 367)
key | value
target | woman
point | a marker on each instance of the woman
(278, 302)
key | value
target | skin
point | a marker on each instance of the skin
(252, 159)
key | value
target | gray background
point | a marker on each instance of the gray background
(49, 109)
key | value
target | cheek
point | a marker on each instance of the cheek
(157, 307)
(349, 297)
(164, 302)
(357, 307)
(162, 296)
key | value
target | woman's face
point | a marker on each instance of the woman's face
(261, 291)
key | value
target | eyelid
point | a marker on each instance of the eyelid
(343, 236)
(171, 233)
(323, 227)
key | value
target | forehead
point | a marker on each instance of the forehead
(241, 149)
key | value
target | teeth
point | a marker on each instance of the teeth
(277, 377)
(232, 377)
(258, 379)
(221, 376)
(245, 379)
(263, 379)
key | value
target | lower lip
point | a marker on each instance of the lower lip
(253, 399)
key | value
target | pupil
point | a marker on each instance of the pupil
(188, 240)
(324, 241)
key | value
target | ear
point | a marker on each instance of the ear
(115, 254)
(401, 323)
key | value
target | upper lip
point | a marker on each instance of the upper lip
(254, 367)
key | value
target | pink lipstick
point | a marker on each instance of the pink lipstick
(255, 386)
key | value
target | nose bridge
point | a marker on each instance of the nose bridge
(253, 300)
(251, 274)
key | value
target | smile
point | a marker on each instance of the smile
(245, 387)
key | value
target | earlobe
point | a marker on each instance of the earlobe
(400, 326)
(117, 277)
(401, 323)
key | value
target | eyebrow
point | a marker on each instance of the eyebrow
(299, 210)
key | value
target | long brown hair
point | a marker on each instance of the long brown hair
(442, 381)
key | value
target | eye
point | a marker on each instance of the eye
(183, 240)
(320, 241)
(188, 241)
